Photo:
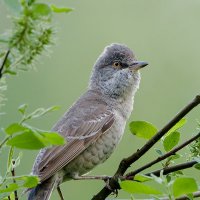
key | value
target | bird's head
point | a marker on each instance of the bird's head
(116, 67)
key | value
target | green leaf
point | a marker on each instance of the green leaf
(177, 126)
(197, 166)
(10, 188)
(15, 128)
(142, 178)
(61, 9)
(142, 129)
(14, 5)
(184, 185)
(27, 181)
(41, 10)
(53, 138)
(138, 188)
(171, 140)
(22, 108)
(35, 139)
(28, 140)
(4, 40)
(158, 151)
(8, 71)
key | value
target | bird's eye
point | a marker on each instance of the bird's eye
(116, 64)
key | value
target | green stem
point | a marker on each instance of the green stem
(4, 141)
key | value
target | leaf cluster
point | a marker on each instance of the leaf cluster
(31, 35)
(173, 185)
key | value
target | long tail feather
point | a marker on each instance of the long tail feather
(42, 191)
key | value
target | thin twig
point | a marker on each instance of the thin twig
(4, 141)
(174, 168)
(4, 62)
(13, 174)
(125, 163)
(168, 154)
(195, 195)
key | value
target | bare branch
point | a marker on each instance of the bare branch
(168, 154)
(13, 174)
(4, 62)
(174, 168)
(195, 195)
(125, 163)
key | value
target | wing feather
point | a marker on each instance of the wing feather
(88, 132)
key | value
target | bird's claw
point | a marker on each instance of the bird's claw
(111, 188)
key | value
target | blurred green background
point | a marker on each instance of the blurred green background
(164, 33)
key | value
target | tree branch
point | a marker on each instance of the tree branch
(195, 195)
(13, 174)
(174, 168)
(160, 158)
(4, 62)
(125, 163)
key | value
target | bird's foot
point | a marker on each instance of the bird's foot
(101, 177)
(113, 186)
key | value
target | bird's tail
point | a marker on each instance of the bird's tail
(42, 191)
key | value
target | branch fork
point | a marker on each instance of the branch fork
(127, 162)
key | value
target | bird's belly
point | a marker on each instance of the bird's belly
(98, 152)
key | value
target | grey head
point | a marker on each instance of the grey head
(116, 71)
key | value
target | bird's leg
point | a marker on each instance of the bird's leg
(60, 193)
(101, 177)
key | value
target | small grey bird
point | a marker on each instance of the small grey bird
(95, 123)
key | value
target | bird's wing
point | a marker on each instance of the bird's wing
(84, 134)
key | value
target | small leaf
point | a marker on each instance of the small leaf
(53, 138)
(41, 10)
(138, 188)
(28, 181)
(35, 139)
(159, 152)
(197, 166)
(10, 188)
(171, 140)
(177, 126)
(174, 157)
(28, 140)
(142, 178)
(8, 71)
(3, 40)
(142, 129)
(60, 10)
(15, 128)
(184, 185)
(14, 5)
(168, 177)
(22, 108)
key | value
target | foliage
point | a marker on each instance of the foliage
(31, 35)
(172, 185)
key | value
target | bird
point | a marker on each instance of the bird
(94, 124)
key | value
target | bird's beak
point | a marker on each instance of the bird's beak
(136, 65)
